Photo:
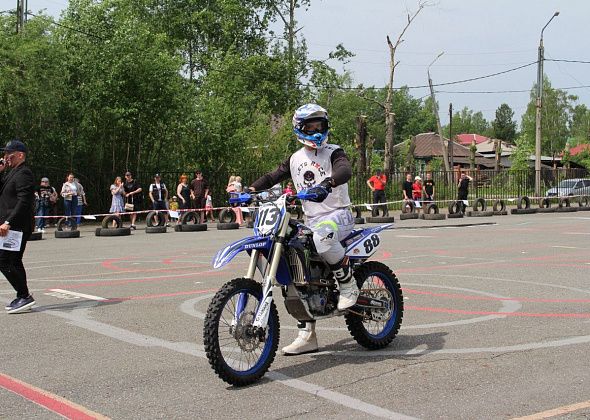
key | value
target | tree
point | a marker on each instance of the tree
(580, 124)
(504, 127)
(469, 122)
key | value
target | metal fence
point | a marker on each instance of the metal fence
(488, 184)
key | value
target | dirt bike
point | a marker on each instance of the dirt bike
(242, 328)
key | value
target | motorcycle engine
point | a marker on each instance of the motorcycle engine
(321, 300)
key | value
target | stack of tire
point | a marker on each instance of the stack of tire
(431, 212)
(584, 203)
(227, 220)
(564, 205)
(523, 206)
(545, 206)
(155, 223)
(36, 236)
(408, 211)
(499, 208)
(357, 212)
(380, 214)
(190, 222)
(65, 229)
(107, 228)
(456, 209)
(479, 209)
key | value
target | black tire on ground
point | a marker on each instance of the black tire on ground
(434, 216)
(500, 213)
(156, 229)
(212, 334)
(455, 215)
(113, 231)
(62, 223)
(227, 216)
(386, 279)
(108, 220)
(432, 209)
(359, 220)
(499, 205)
(385, 219)
(480, 205)
(523, 211)
(67, 233)
(521, 200)
(584, 201)
(563, 202)
(566, 209)
(154, 218)
(379, 210)
(408, 207)
(479, 213)
(357, 211)
(197, 227)
(455, 207)
(250, 224)
(228, 226)
(190, 217)
(546, 209)
(584, 208)
(36, 236)
(544, 203)
(407, 216)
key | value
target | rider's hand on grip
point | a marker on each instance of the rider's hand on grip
(320, 193)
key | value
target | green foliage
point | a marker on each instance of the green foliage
(525, 147)
(504, 127)
(469, 122)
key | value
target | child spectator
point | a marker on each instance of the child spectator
(209, 209)
(417, 192)
(174, 206)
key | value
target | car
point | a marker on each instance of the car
(575, 186)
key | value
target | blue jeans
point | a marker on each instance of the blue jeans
(42, 210)
(79, 209)
(70, 207)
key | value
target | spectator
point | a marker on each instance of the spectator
(16, 214)
(174, 206)
(407, 188)
(428, 189)
(463, 189)
(183, 191)
(235, 186)
(209, 209)
(81, 200)
(417, 192)
(231, 184)
(238, 184)
(289, 189)
(69, 191)
(44, 195)
(117, 197)
(199, 193)
(377, 184)
(159, 196)
(132, 197)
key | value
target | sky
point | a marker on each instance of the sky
(478, 38)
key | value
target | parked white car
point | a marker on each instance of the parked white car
(575, 186)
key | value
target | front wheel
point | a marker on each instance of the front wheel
(239, 353)
(375, 328)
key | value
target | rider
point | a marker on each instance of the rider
(321, 168)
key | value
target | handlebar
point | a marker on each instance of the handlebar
(246, 198)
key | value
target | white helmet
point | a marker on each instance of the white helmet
(311, 113)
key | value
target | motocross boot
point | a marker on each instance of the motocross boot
(306, 341)
(349, 291)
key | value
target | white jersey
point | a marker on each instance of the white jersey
(308, 169)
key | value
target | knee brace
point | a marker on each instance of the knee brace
(325, 238)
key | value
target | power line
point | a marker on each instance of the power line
(66, 27)
(509, 91)
(568, 61)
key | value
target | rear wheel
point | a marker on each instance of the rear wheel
(376, 328)
(239, 354)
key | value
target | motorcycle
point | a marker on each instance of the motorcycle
(242, 328)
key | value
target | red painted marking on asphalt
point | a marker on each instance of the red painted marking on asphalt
(518, 314)
(470, 297)
(48, 400)
(190, 292)
(387, 254)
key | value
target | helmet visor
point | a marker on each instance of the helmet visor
(313, 126)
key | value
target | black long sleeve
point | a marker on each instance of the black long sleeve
(341, 167)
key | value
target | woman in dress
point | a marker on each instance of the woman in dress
(183, 192)
(118, 197)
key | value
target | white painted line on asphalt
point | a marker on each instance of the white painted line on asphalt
(576, 233)
(565, 247)
(413, 236)
(61, 265)
(80, 319)
(79, 295)
(576, 218)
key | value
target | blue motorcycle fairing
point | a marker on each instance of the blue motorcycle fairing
(225, 255)
(358, 236)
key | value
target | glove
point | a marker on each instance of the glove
(322, 190)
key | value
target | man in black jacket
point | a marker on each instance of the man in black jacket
(16, 213)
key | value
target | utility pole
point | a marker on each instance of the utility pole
(451, 155)
(20, 15)
(539, 105)
(445, 153)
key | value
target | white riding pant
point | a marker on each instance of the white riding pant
(328, 230)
